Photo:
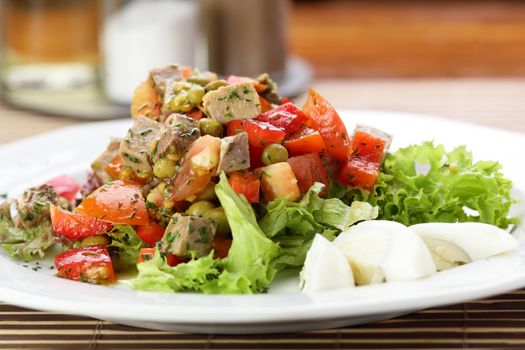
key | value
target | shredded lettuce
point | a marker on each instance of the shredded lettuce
(127, 244)
(246, 269)
(294, 225)
(424, 183)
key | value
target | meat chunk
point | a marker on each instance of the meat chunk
(177, 133)
(103, 160)
(33, 205)
(162, 76)
(188, 234)
(235, 153)
(136, 146)
(232, 102)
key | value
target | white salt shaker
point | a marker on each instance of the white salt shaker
(142, 34)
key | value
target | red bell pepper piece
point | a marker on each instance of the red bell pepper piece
(287, 117)
(305, 140)
(221, 247)
(88, 264)
(359, 173)
(150, 233)
(74, 226)
(260, 134)
(247, 184)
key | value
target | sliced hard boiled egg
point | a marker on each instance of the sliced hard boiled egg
(382, 250)
(325, 268)
(453, 244)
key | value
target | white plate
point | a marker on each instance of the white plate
(70, 151)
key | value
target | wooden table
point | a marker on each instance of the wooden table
(492, 323)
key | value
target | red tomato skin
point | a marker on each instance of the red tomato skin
(146, 254)
(308, 169)
(65, 186)
(285, 100)
(324, 118)
(305, 140)
(116, 202)
(260, 134)
(74, 226)
(76, 264)
(359, 173)
(265, 105)
(151, 233)
(247, 184)
(255, 157)
(287, 117)
(368, 147)
(221, 247)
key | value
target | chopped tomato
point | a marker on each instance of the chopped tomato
(186, 71)
(146, 254)
(308, 169)
(146, 100)
(305, 140)
(324, 118)
(74, 226)
(255, 157)
(359, 172)
(265, 105)
(116, 202)
(88, 264)
(197, 169)
(245, 183)
(286, 117)
(114, 168)
(151, 233)
(173, 260)
(221, 246)
(65, 186)
(260, 134)
(368, 147)
(196, 114)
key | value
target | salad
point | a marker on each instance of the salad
(219, 184)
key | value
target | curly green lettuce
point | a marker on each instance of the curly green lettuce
(127, 244)
(424, 183)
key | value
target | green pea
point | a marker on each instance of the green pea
(218, 216)
(214, 85)
(200, 208)
(95, 240)
(164, 167)
(210, 127)
(208, 194)
(177, 103)
(203, 78)
(195, 95)
(274, 153)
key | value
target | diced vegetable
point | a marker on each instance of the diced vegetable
(114, 168)
(247, 184)
(221, 246)
(278, 181)
(197, 169)
(324, 118)
(304, 140)
(359, 173)
(65, 186)
(265, 105)
(367, 147)
(145, 101)
(287, 117)
(150, 233)
(88, 264)
(116, 202)
(147, 254)
(308, 169)
(260, 134)
(74, 226)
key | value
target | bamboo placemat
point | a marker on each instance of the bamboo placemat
(495, 323)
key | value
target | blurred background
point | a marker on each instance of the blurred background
(82, 59)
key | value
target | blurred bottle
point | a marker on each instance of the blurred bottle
(246, 37)
(49, 47)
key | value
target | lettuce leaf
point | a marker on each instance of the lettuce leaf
(424, 183)
(294, 225)
(246, 269)
(251, 251)
(127, 244)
